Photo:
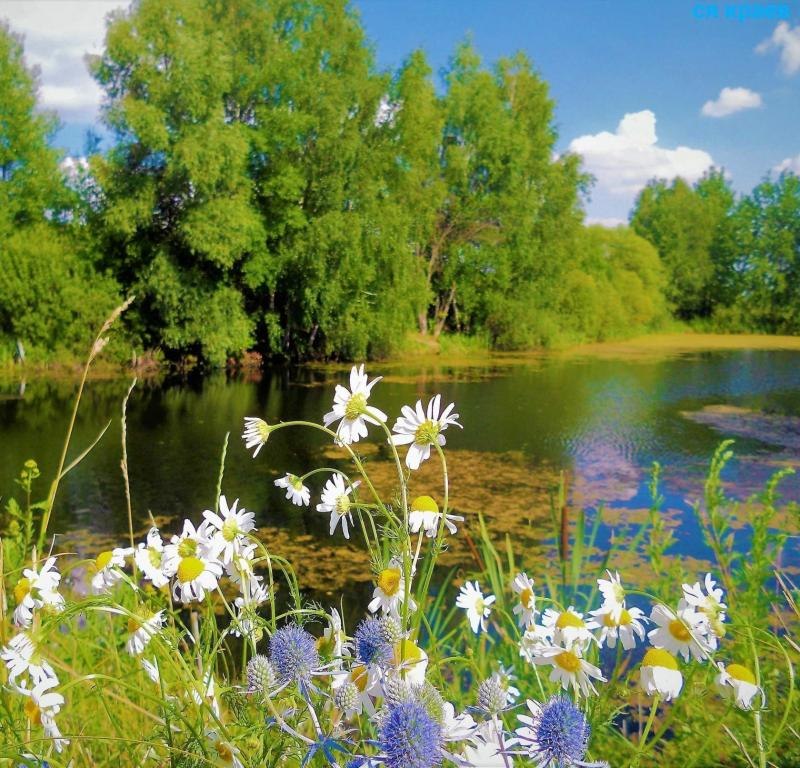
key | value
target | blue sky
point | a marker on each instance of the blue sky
(658, 63)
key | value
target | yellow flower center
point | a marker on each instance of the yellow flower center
(224, 751)
(624, 619)
(22, 589)
(679, 631)
(743, 674)
(569, 619)
(342, 505)
(389, 581)
(189, 569)
(356, 406)
(360, 677)
(296, 482)
(230, 528)
(187, 548)
(568, 661)
(424, 504)
(658, 657)
(427, 432)
(134, 624)
(526, 597)
(155, 557)
(408, 650)
(103, 559)
(32, 711)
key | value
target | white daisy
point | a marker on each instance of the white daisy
(525, 609)
(613, 594)
(389, 592)
(710, 604)
(659, 674)
(420, 429)
(223, 753)
(456, 727)
(42, 707)
(230, 527)
(37, 590)
(256, 432)
(107, 568)
(738, 683)
(681, 633)
(487, 748)
(151, 668)
(149, 558)
(628, 625)
(567, 627)
(532, 639)
(570, 669)
(254, 593)
(410, 661)
(193, 542)
(336, 500)
(295, 490)
(333, 643)
(351, 410)
(21, 657)
(424, 515)
(193, 556)
(241, 568)
(478, 607)
(141, 631)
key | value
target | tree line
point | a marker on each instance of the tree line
(267, 188)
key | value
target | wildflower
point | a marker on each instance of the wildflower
(487, 748)
(738, 683)
(336, 500)
(709, 604)
(554, 734)
(424, 515)
(230, 527)
(659, 674)
(478, 607)
(293, 653)
(37, 590)
(22, 657)
(256, 432)
(348, 699)
(351, 410)
(193, 557)
(626, 627)
(295, 490)
(107, 569)
(613, 595)
(333, 643)
(525, 608)
(420, 429)
(149, 558)
(566, 627)
(411, 659)
(372, 644)
(570, 669)
(495, 694)
(680, 633)
(141, 631)
(390, 589)
(410, 737)
(456, 727)
(42, 707)
(534, 637)
(192, 542)
(151, 669)
(261, 675)
(224, 752)
(240, 568)
(253, 594)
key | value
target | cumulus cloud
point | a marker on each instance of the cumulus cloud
(791, 164)
(787, 41)
(624, 161)
(57, 36)
(731, 100)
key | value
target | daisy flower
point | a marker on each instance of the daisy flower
(738, 683)
(570, 669)
(420, 429)
(627, 626)
(525, 609)
(21, 657)
(710, 604)
(141, 631)
(253, 594)
(350, 408)
(532, 639)
(659, 674)
(424, 515)
(486, 748)
(151, 670)
(107, 568)
(680, 633)
(410, 660)
(256, 432)
(149, 557)
(223, 753)
(241, 567)
(230, 527)
(194, 576)
(554, 734)
(42, 707)
(456, 727)
(37, 590)
(295, 490)
(478, 607)
(613, 595)
(192, 542)
(389, 592)
(336, 500)
(567, 627)
(333, 643)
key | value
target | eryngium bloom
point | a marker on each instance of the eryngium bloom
(293, 653)
(410, 737)
(556, 734)
(372, 641)
(260, 675)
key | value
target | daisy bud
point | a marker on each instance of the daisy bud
(260, 675)
(256, 433)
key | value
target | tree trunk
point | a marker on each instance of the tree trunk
(441, 317)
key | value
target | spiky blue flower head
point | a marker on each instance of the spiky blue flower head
(373, 645)
(293, 653)
(560, 733)
(410, 737)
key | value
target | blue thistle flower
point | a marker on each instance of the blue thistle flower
(557, 734)
(293, 653)
(410, 737)
(372, 642)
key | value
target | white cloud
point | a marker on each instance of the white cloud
(57, 36)
(787, 41)
(624, 161)
(731, 100)
(791, 164)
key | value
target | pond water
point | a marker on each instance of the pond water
(602, 418)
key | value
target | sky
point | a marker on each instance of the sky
(643, 88)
